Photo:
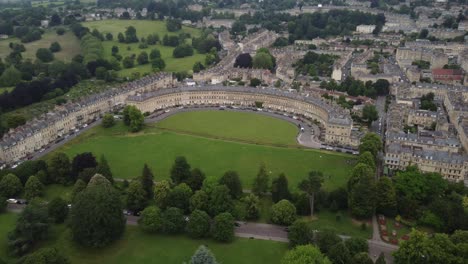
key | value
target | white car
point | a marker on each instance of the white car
(167, 111)
(12, 201)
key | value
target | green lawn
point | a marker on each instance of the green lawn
(138, 247)
(7, 224)
(68, 41)
(262, 129)
(144, 28)
(127, 153)
(345, 226)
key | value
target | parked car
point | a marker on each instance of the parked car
(12, 201)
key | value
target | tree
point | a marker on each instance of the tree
(220, 200)
(55, 20)
(362, 258)
(326, 239)
(180, 171)
(368, 159)
(121, 37)
(133, 118)
(151, 220)
(109, 36)
(158, 64)
(311, 186)
(338, 253)
(128, 62)
(55, 47)
(31, 227)
(260, 185)
(142, 58)
(283, 213)
(81, 162)
(386, 201)
(196, 179)
(362, 191)
(154, 54)
(147, 181)
(198, 67)
(254, 82)
(244, 60)
(183, 50)
(58, 210)
(46, 256)
(104, 169)
(370, 142)
(423, 33)
(10, 77)
(223, 227)
(305, 254)
(263, 60)
(161, 193)
(203, 256)
(198, 225)
(136, 196)
(173, 25)
(79, 186)
(199, 201)
(232, 181)
(108, 121)
(96, 218)
(280, 189)
(179, 197)
(356, 245)
(33, 188)
(173, 220)
(370, 114)
(300, 233)
(10, 186)
(252, 206)
(130, 35)
(45, 55)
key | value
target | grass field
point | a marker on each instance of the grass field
(68, 41)
(144, 28)
(138, 247)
(262, 129)
(127, 153)
(7, 224)
(345, 226)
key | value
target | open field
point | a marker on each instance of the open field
(143, 29)
(69, 42)
(7, 224)
(138, 247)
(127, 153)
(262, 129)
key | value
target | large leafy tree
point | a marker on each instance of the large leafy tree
(199, 201)
(198, 225)
(33, 188)
(179, 197)
(104, 169)
(203, 256)
(196, 179)
(220, 200)
(96, 218)
(356, 245)
(283, 213)
(180, 171)
(79, 186)
(81, 162)
(386, 200)
(161, 193)
(312, 186)
(252, 206)
(151, 220)
(173, 220)
(136, 197)
(58, 210)
(300, 233)
(147, 182)
(368, 159)
(305, 254)
(362, 191)
(46, 256)
(223, 227)
(59, 168)
(260, 185)
(10, 186)
(31, 227)
(232, 181)
(339, 253)
(280, 189)
(326, 239)
(371, 142)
